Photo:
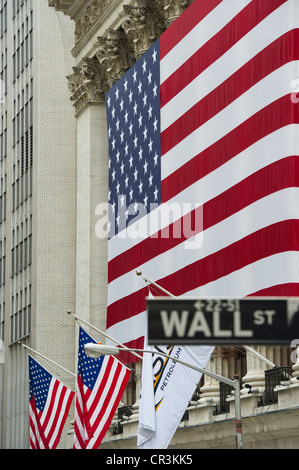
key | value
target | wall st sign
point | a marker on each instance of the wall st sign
(252, 321)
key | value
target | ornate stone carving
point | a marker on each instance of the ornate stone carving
(114, 55)
(172, 9)
(86, 84)
(89, 17)
(143, 24)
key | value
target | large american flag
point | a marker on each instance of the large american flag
(206, 117)
(49, 406)
(100, 386)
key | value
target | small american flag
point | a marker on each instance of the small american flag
(100, 385)
(49, 406)
(206, 117)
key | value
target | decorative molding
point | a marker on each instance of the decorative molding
(88, 17)
(156, 15)
(86, 84)
(61, 5)
(116, 51)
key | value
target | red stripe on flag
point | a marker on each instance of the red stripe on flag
(261, 244)
(106, 404)
(284, 174)
(34, 441)
(60, 429)
(281, 290)
(126, 356)
(82, 420)
(113, 410)
(277, 238)
(107, 366)
(91, 422)
(56, 428)
(213, 49)
(276, 115)
(128, 306)
(51, 405)
(36, 426)
(185, 23)
(267, 61)
(52, 430)
(108, 395)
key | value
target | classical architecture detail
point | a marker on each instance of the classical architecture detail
(61, 5)
(143, 24)
(87, 84)
(89, 17)
(77, 89)
(172, 9)
(114, 55)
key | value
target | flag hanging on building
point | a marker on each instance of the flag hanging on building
(167, 387)
(203, 145)
(100, 386)
(49, 405)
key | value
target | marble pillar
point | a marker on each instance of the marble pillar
(255, 376)
(92, 192)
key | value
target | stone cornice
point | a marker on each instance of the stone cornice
(140, 23)
(152, 15)
(89, 17)
(61, 5)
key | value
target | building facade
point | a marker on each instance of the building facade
(38, 188)
(63, 56)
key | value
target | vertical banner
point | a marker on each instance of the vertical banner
(167, 388)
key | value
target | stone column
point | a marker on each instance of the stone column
(210, 390)
(222, 362)
(88, 88)
(255, 376)
(138, 372)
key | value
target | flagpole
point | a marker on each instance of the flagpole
(259, 356)
(147, 279)
(105, 335)
(47, 359)
(96, 350)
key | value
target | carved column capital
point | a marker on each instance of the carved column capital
(114, 55)
(172, 9)
(86, 84)
(143, 24)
